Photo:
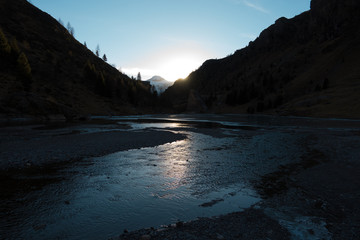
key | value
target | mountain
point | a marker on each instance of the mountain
(159, 84)
(306, 66)
(45, 71)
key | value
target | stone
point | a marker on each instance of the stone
(39, 227)
(219, 236)
(179, 224)
(145, 237)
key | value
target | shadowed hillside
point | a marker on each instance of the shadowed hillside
(307, 66)
(45, 71)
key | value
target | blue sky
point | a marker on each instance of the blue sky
(169, 38)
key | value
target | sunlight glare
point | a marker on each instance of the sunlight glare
(171, 63)
(179, 67)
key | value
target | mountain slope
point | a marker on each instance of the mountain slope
(307, 66)
(44, 70)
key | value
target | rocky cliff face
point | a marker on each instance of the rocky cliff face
(334, 17)
(306, 65)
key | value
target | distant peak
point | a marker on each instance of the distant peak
(159, 84)
(157, 79)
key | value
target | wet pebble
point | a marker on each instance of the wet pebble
(179, 224)
(145, 237)
(318, 204)
(219, 236)
(39, 227)
(311, 231)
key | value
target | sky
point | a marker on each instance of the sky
(168, 38)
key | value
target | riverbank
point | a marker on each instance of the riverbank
(40, 145)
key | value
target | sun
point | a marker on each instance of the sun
(179, 67)
(170, 63)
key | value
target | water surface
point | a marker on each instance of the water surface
(209, 173)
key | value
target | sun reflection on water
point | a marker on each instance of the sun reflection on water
(177, 162)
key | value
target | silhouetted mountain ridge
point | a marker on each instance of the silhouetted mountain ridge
(61, 75)
(306, 65)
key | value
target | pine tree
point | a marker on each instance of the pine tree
(24, 70)
(4, 44)
(14, 46)
(70, 29)
(15, 50)
(97, 51)
(104, 58)
(24, 66)
(61, 22)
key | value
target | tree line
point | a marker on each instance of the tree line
(10, 50)
(71, 31)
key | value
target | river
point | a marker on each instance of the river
(209, 173)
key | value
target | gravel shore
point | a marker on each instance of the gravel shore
(36, 145)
